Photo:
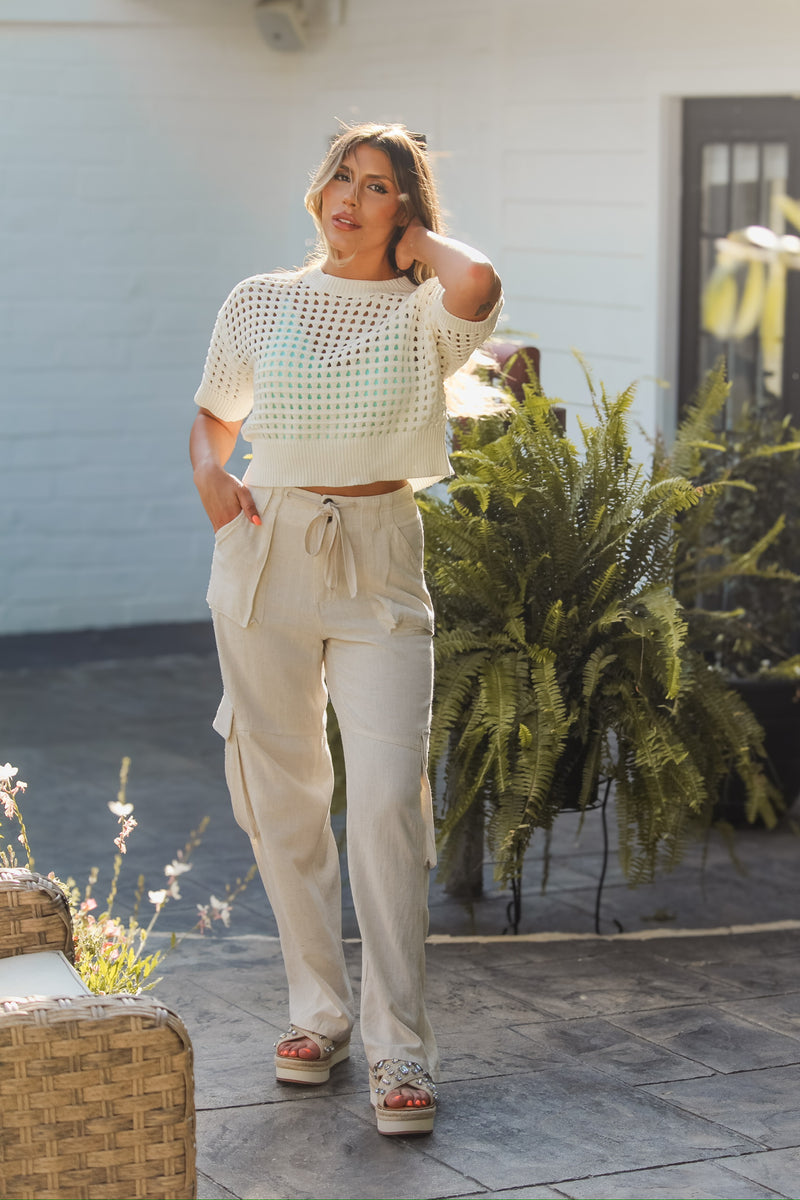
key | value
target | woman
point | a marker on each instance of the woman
(317, 588)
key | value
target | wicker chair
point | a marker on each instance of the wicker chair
(96, 1092)
(34, 915)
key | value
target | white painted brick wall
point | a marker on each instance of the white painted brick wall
(155, 153)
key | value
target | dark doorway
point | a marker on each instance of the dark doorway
(738, 154)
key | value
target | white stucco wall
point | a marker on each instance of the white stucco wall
(155, 151)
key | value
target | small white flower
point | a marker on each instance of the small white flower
(7, 772)
(119, 809)
(222, 910)
(157, 898)
(173, 891)
(176, 867)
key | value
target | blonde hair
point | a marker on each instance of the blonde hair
(412, 175)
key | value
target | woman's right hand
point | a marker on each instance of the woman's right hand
(224, 496)
(210, 446)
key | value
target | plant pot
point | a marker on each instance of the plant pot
(569, 779)
(775, 703)
(464, 879)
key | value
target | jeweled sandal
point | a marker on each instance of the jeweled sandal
(309, 1070)
(386, 1077)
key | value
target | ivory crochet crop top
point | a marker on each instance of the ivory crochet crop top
(341, 379)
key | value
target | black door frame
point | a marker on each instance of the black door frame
(732, 119)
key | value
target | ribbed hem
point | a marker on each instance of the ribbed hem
(418, 456)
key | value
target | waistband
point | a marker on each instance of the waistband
(402, 498)
(324, 519)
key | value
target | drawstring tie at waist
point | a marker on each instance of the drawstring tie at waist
(326, 534)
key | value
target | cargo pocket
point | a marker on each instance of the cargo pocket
(404, 601)
(240, 555)
(224, 724)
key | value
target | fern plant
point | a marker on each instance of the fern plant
(738, 554)
(560, 650)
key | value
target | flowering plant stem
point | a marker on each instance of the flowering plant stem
(8, 798)
(109, 953)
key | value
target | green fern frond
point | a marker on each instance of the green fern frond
(552, 624)
(698, 426)
(601, 587)
(593, 671)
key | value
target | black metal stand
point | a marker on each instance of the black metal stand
(601, 881)
(514, 906)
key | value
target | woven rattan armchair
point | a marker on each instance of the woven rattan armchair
(34, 915)
(96, 1092)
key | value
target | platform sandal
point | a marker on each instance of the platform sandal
(309, 1070)
(386, 1077)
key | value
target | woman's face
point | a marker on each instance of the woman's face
(361, 209)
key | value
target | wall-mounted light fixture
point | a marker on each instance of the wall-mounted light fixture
(289, 24)
(283, 23)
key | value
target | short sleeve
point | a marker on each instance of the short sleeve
(456, 338)
(226, 388)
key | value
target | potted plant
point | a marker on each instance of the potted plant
(757, 646)
(562, 662)
(737, 562)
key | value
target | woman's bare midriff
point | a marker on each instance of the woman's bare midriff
(361, 489)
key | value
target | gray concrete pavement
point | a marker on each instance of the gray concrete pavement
(663, 1061)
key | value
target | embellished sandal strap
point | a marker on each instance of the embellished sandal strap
(325, 1045)
(389, 1074)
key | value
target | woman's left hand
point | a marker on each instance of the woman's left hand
(411, 247)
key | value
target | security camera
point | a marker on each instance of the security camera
(282, 23)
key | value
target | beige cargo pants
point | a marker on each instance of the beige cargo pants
(328, 596)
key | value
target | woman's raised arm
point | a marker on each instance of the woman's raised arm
(470, 282)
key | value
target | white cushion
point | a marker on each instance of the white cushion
(46, 973)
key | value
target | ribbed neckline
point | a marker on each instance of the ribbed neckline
(335, 285)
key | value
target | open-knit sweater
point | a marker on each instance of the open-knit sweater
(341, 379)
